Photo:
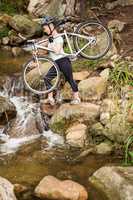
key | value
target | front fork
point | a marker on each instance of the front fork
(35, 57)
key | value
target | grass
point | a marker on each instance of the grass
(4, 32)
(121, 75)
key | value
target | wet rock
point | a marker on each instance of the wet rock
(46, 7)
(115, 182)
(18, 188)
(24, 25)
(117, 25)
(79, 76)
(27, 127)
(6, 190)
(7, 110)
(76, 135)
(68, 114)
(92, 88)
(104, 148)
(52, 188)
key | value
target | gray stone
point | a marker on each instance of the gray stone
(115, 182)
(6, 190)
(92, 88)
(76, 135)
(67, 114)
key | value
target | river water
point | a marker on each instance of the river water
(27, 160)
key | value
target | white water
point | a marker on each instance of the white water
(24, 110)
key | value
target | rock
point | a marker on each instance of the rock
(46, 7)
(107, 109)
(113, 4)
(79, 76)
(6, 190)
(68, 114)
(52, 188)
(76, 135)
(130, 116)
(25, 25)
(104, 148)
(5, 19)
(67, 91)
(7, 110)
(117, 25)
(115, 182)
(31, 126)
(5, 40)
(104, 117)
(14, 39)
(92, 88)
(108, 105)
(105, 74)
(18, 188)
(117, 129)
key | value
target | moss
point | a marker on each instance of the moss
(84, 64)
(12, 7)
(59, 127)
(4, 31)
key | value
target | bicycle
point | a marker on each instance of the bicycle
(91, 40)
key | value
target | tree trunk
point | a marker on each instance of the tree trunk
(70, 7)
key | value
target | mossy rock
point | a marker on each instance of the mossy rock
(68, 114)
(23, 24)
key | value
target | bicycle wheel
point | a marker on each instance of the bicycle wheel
(41, 77)
(99, 46)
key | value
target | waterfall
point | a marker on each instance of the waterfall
(26, 110)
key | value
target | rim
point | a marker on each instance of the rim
(46, 91)
(108, 40)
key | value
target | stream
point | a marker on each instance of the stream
(26, 160)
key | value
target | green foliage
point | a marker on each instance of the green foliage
(4, 32)
(121, 75)
(12, 7)
(8, 8)
(128, 151)
(84, 64)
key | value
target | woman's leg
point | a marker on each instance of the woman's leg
(66, 67)
(47, 79)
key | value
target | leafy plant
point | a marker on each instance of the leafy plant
(128, 152)
(121, 75)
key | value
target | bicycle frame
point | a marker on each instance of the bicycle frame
(66, 34)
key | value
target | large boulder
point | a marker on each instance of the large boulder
(46, 7)
(92, 88)
(115, 182)
(23, 24)
(52, 188)
(31, 125)
(6, 190)
(68, 114)
(7, 110)
(117, 129)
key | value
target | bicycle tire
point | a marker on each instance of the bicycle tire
(90, 23)
(27, 84)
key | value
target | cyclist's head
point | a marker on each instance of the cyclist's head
(48, 24)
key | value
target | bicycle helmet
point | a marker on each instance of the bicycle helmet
(48, 20)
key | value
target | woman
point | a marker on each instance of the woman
(64, 63)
